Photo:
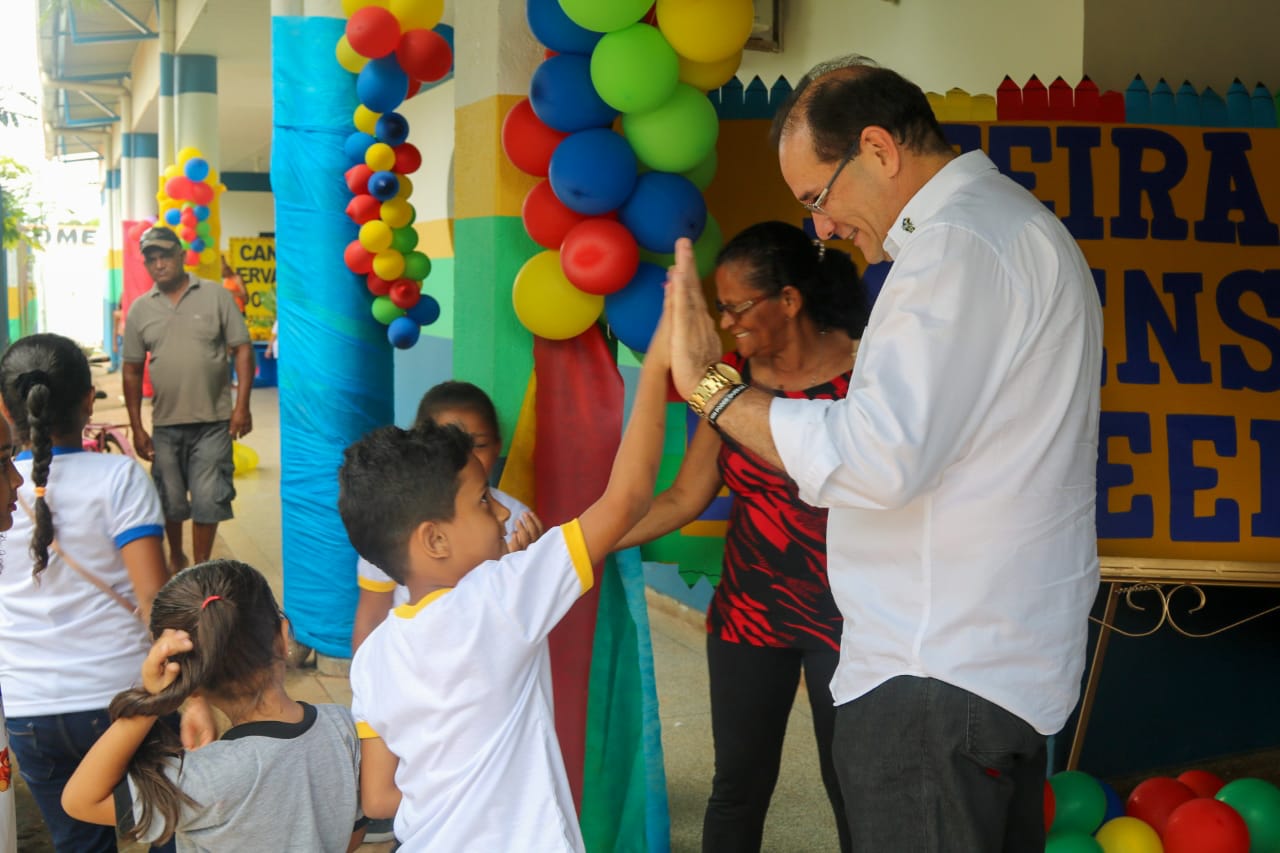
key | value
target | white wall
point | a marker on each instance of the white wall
(246, 214)
(938, 44)
(430, 116)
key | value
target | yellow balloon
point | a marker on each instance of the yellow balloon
(547, 304)
(187, 153)
(406, 187)
(1128, 835)
(244, 458)
(172, 171)
(350, 7)
(397, 213)
(708, 75)
(347, 56)
(706, 30)
(375, 235)
(388, 264)
(365, 119)
(379, 157)
(208, 256)
(417, 14)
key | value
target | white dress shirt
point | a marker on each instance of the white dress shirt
(960, 469)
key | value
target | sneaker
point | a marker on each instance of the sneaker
(379, 830)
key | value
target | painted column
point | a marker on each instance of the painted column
(335, 371)
(196, 104)
(166, 13)
(110, 237)
(140, 177)
(496, 56)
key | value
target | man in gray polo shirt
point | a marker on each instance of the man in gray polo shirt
(186, 325)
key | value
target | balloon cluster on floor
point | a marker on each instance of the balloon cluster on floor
(1195, 813)
(393, 49)
(612, 206)
(187, 200)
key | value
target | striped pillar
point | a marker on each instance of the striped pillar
(111, 237)
(196, 103)
(140, 164)
(166, 14)
(492, 70)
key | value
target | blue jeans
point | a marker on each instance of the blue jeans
(927, 767)
(48, 750)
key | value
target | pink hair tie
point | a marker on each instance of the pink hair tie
(210, 598)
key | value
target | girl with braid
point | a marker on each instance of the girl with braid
(285, 776)
(82, 564)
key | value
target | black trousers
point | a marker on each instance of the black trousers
(752, 688)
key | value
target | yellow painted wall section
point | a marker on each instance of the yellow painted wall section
(435, 238)
(485, 183)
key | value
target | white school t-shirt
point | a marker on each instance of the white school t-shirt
(374, 579)
(458, 686)
(65, 645)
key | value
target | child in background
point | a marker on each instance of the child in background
(469, 408)
(10, 480)
(452, 693)
(283, 777)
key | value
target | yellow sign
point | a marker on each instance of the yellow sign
(254, 260)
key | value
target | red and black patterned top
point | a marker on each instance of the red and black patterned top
(773, 590)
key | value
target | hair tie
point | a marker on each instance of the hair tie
(40, 492)
(822, 249)
(210, 598)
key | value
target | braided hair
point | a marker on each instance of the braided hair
(44, 382)
(227, 609)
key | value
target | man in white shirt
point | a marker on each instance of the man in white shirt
(959, 470)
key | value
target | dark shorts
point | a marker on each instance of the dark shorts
(194, 460)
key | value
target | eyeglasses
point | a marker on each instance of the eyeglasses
(815, 206)
(736, 311)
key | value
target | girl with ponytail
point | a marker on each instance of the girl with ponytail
(285, 776)
(82, 564)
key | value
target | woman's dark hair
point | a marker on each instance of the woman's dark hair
(227, 609)
(776, 254)
(44, 380)
(453, 394)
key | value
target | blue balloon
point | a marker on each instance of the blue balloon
(424, 312)
(551, 26)
(564, 98)
(383, 185)
(1115, 806)
(197, 169)
(202, 213)
(392, 128)
(197, 245)
(663, 208)
(633, 312)
(593, 171)
(403, 332)
(355, 146)
(382, 84)
(173, 216)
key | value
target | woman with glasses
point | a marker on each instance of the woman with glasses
(795, 310)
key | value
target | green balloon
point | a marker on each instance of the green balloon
(707, 246)
(384, 310)
(204, 229)
(662, 260)
(417, 266)
(1258, 802)
(1071, 842)
(1080, 804)
(404, 239)
(676, 136)
(605, 16)
(701, 174)
(634, 69)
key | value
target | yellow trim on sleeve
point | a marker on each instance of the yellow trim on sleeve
(408, 611)
(375, 586)
(577, 546)
(364, 731)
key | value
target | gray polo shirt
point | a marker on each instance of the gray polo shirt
(188, 344)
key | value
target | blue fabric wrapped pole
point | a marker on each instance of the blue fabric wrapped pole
(336, 367)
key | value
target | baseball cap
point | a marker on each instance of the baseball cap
(159, 238)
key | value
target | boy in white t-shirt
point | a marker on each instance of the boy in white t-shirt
(452, 693)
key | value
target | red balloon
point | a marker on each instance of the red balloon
(408, 158)
(527, 141)
(424, 55)
(1155, 799)
(599, 256)
(373, 31)
(546, 218)
(193, 258)
(201, 193)
(414, 86)
(1205, 825)
(377, 286)
(188, 217)
(363, 208)
(359, 259)
(405, 293)
(178, 187)
(1201, 782)
(357, 178)
(1050, 801)
(188, 233)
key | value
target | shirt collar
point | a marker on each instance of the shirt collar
(930, 198)
(192, 283)
(57, 451)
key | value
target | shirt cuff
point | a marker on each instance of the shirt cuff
(139, 532)
(799, 430)
(375, 586)
(577, 546)
(364, 731)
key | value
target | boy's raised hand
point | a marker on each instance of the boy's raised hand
(528, 529)
(158, 671)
